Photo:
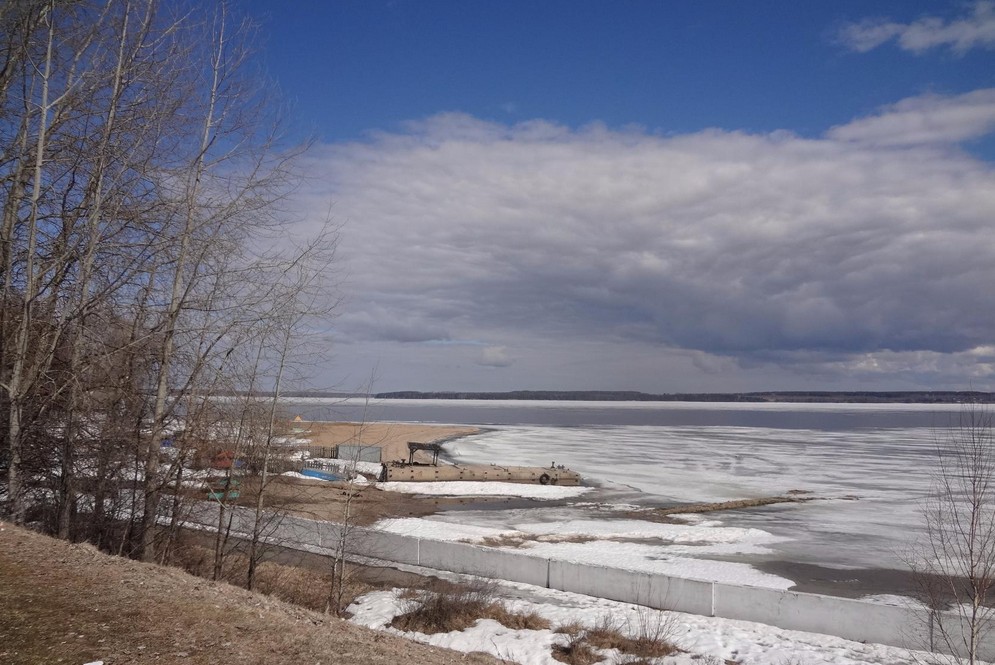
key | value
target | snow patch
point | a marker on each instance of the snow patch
(480, 488)
(744, 642)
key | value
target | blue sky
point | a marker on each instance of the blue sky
(352, 67)
(658, 196)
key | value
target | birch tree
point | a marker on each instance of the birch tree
(954, 565)
(142, 170)
(302, 298)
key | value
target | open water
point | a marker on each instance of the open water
(831, 417)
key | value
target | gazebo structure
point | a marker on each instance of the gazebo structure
(434, 448)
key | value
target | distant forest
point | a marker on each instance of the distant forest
(864, 397)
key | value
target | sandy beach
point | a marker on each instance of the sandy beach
(391, 438)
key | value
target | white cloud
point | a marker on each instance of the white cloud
(925, 119)
(871, 244)
(977, 30)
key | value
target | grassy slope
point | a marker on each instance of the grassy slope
(71, 603)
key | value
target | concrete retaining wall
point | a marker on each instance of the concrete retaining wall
(658, 591)
(857, 620)
(389, 546)
(483, 561)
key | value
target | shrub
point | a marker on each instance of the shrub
(650, 637)
(572, 628)
(516, 620)
(444, 607)
(575, 652)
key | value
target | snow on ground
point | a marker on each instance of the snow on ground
(668, 549)
(703, 639)
(658, 560)
(358, 480)
(680, 534)
(481, 488)
(431, 529)
(291, 441)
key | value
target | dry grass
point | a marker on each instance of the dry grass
(648, 637)
(72, 604)
(572, 628)
(575, 652)
(300, 586)
(525, 539)
(444, 607)
(506, 540)
(516, 620)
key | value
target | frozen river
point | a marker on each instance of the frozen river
(869, 466)
(869, 484)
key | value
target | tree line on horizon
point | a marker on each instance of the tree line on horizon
(908, 397)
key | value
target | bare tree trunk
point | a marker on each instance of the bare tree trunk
(955, 564)
(177, 300)
(257, 523)
(348, 532)
(17, 387)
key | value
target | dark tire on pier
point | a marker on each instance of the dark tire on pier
(544, 479)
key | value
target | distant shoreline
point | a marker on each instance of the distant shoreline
(813, 397)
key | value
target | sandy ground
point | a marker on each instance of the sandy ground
(317, 499)
(327, 501)
(391, 438)
(64, 602)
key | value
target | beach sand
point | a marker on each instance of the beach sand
(391, 438)
(327, 501)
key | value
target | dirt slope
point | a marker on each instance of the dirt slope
(68, 603)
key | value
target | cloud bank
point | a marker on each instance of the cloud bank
(977, 30)
(867, 252)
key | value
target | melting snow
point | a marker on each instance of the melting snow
(744, 642)
(480, 488)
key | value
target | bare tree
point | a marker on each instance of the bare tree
(302, 298)
(352, 539)
(954, 565)
(77, 135)
(141, 174)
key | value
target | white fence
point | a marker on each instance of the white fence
(857, 620)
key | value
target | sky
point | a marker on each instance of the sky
(635, 195)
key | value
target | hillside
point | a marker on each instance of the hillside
(71, 603)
